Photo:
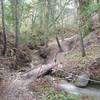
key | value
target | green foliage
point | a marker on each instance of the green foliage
(59, 95)
(88, 10)
(46, 18)
(35, 39)
(25, 37)
(87, 28)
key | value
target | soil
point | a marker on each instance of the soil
(11, 88)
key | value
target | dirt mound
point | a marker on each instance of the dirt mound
(10, 43)
(6, 64)
(1, 42)
(44, 52)
(23, 56)
(1, 39)
(94, 68)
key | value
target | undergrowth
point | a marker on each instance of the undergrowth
(59, 95)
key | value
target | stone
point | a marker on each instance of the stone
(82, 80)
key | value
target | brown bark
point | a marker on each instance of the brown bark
(59, 45)
(35, 73)
(17, 31)
(81, 7)
(3, 25)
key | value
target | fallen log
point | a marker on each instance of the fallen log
(36, 73)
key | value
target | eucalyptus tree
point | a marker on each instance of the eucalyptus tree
(34, 16)
(98, 1)
(44, 18)
(16, 9)
(16, 24)
(81, 5)
(56, 8)
(3, 26)
(62, 20)
(86, 8)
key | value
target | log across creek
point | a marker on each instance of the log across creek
(36, 73)
(65, 86)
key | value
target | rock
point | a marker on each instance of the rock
(82, 80)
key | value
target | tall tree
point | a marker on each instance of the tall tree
(17, 31)
(98, 1)
(46, 18)
(17, 11)
(62, 22)
(59, 45)
(81, 4)
(3, 25)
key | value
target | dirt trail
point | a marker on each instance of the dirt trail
(16, 89)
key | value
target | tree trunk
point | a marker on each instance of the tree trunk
(40, 71)
(34, 15)
(81, 4)
(45, 19)
(4, 31)
(59, 45)
(17, 31)
(62, 22)
(82, 43)
(98, 1)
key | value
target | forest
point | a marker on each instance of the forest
(49, 49)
